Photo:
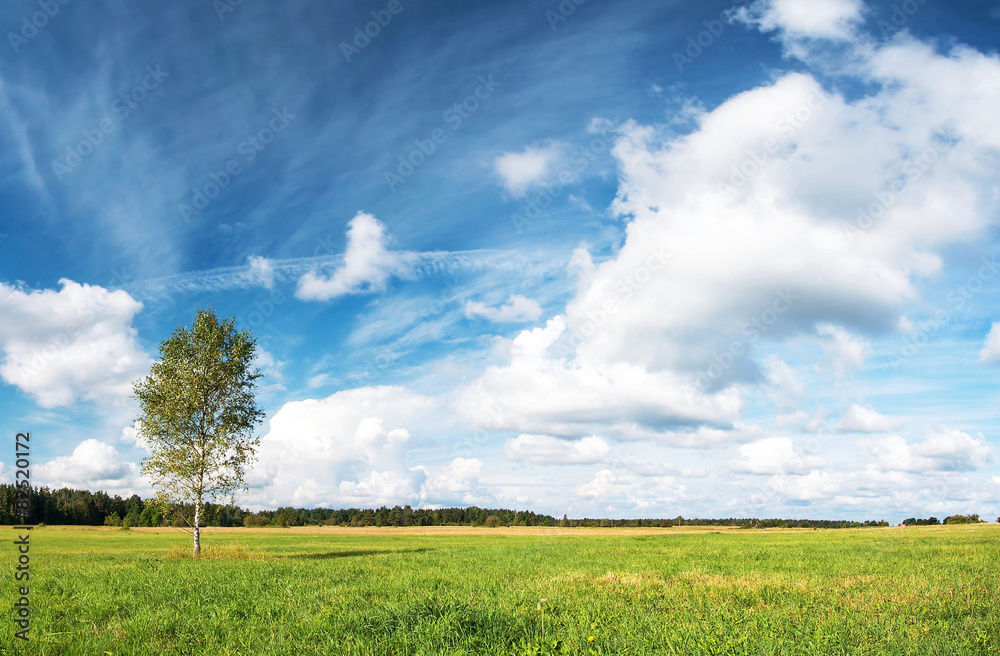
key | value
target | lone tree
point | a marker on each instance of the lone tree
(198, 413)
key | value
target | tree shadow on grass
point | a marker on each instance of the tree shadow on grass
(354, 553)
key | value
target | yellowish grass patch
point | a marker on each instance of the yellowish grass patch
(217, 552)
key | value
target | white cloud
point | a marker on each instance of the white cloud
(845, 354)
(707, 436)
(800, 420)
(865, 419)
(615, 492)
(765, 198)
(816, 19)
(991, 347)
(786, 388)
(773, 455)
(529, 168)
(93, 465)
(603, 482)
(130, 435)
(377, 489)
(539, 393)
(834, 487)
(269, 366)
(77, 342)
(741, 261)
(459, 480)
(368, 264)
(943, 450)
(516, 309)
(548, 450)
(350, 448)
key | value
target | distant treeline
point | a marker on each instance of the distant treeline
(953, 519)
(82, 507)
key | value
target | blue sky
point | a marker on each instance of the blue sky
(603, 259)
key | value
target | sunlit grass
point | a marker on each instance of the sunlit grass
(876, 591)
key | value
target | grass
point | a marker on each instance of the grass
(930, 590)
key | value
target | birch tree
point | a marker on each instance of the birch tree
(198, 413)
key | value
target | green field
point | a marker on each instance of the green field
(930, 590)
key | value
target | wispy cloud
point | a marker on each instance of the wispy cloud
(248, 276)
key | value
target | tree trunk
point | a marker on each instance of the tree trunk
(197, 535)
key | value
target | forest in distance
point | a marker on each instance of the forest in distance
(84, 508)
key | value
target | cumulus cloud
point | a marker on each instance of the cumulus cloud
(378, 488)
(368, 264)
(736, 250)
(517, 309)
(816, 19)
(538, 392)
(786, 388)
(773, 455)
(858, 488)
(548, 450)
(943, 450)
(78, 342)
(800, 420)
(93, 465)
(521, 171)
(350, 448)
(615, 491)
(131, 435)
(845, 353)
(457, 481)
(991, 348)
(865, 419)
(771, 194)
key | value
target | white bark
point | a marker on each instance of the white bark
(197, 534)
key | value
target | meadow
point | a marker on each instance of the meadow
(922, 590)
